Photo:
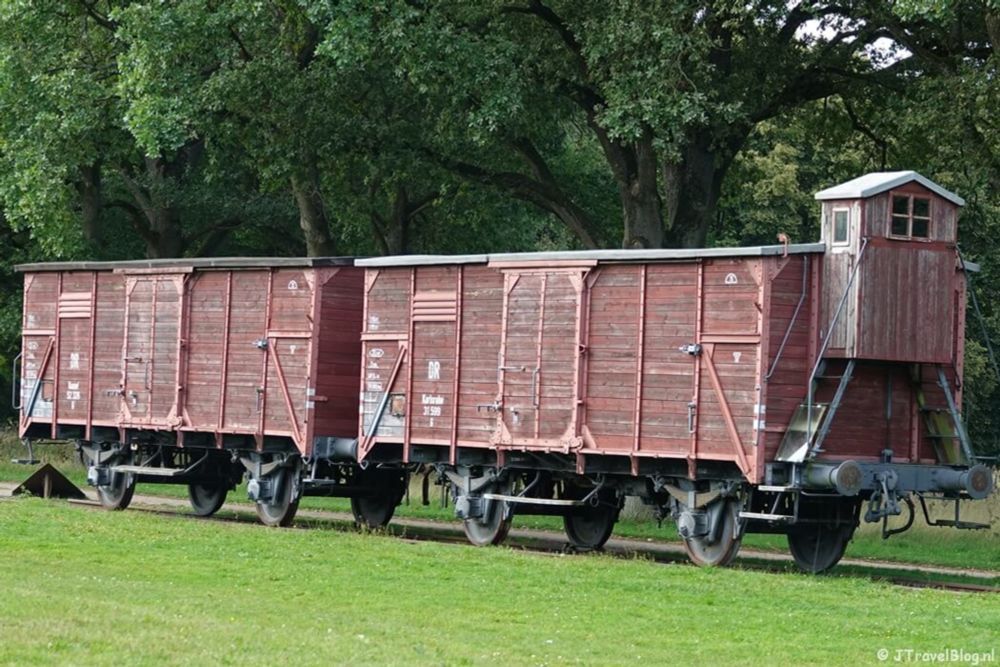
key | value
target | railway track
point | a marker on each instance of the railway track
(551, 542)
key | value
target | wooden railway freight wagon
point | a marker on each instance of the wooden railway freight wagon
(194, 371)
(772, 388)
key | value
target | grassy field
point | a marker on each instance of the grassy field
(922, 544)
(87, 587)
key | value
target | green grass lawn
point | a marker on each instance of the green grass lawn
(922, 544)
(87, 587)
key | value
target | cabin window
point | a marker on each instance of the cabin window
(911, 217)
(841, 224)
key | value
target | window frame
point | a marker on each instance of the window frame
(833, 226)
(910, 198)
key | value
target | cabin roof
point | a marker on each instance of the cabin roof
(594, 255)
(881, 181)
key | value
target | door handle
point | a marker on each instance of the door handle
(535, 398)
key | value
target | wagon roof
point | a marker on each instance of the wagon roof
(189, 263)
(878, 182)
(595, 255)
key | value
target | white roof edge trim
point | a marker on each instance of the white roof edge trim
(595, 255)
(422, 260)
(878, 182)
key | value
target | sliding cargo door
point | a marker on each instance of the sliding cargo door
(150, 355)
(538, 372)
(727, 375)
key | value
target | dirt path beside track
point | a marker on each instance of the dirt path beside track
(552, 540)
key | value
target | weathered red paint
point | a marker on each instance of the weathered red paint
(587, 359)
(256, 350)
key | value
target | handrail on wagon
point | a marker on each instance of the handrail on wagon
(15, 389)
(826, 341)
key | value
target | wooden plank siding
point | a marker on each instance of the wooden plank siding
(187, 351)
(503, 352)
(573, 358)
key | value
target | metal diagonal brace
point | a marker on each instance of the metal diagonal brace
(832, 410)
(963, 437)
(369, 435)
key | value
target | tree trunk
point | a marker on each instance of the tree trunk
(641, 205)
(393, 235)
(312, 213)
(166, 239)
(89, 188)
(398, 233)
(155, 218)
(693, 187)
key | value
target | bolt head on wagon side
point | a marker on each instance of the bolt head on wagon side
(779, 389)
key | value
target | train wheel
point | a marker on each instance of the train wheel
(493, 526)
(280, 510)
(206, 499)
(376, 510)
(721, 552)
(117, 494)
(591, 526)
(817, 548)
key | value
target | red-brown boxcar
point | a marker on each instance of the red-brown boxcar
(194, 371)
(771, 388)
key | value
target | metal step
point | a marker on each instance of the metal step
(775, 489)
(764, 516)
(962, 525)
(155, 471)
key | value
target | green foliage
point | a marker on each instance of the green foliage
(133, 127)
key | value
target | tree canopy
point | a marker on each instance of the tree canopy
(134, 128)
